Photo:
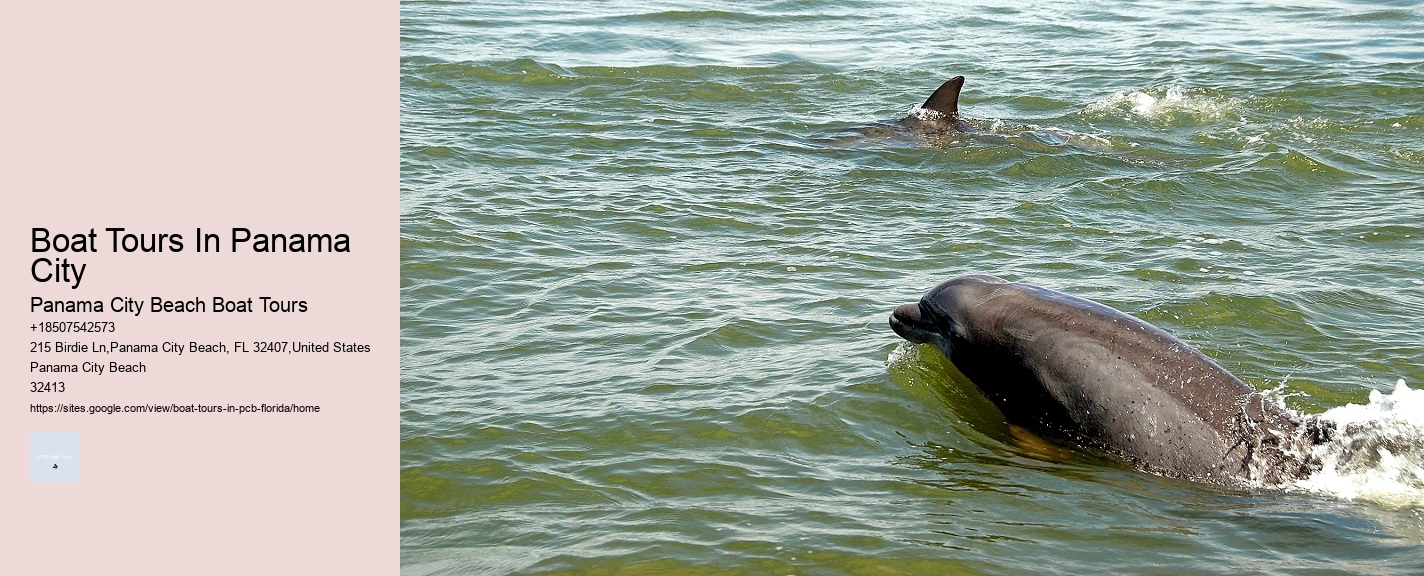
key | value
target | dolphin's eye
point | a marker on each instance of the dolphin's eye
(929, 313)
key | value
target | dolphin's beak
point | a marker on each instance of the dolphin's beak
(907, 321)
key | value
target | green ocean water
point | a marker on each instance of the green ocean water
(649, 251)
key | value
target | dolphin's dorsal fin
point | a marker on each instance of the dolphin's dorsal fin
(945, 100)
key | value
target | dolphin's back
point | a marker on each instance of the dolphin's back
(1127, 386)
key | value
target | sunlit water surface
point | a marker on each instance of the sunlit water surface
(649, 250)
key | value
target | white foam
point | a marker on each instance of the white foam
(1377, 453)
(1142, 103)
(926, 114)
(1170, 100)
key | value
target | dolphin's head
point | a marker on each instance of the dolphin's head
(942, 316)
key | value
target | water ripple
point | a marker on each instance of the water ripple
(648, 252)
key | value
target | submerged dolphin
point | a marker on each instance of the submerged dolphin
(937, 117)
(937, 122)
(940, 112)
(1078, 371)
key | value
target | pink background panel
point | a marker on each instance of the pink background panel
(165, 116)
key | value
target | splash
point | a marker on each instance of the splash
(1377, 453)
(926, 115)
(1169, 103)
(902, 354)
(1144, 104)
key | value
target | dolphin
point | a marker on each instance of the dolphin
(1082, 373)
(937, 122)
(940, 112)
(935, 119)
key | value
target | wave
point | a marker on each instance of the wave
(1173, 104)
(1377, 453)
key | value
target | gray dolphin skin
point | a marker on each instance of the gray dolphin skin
(936, 118)
(945, 99)
(1080, 372)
